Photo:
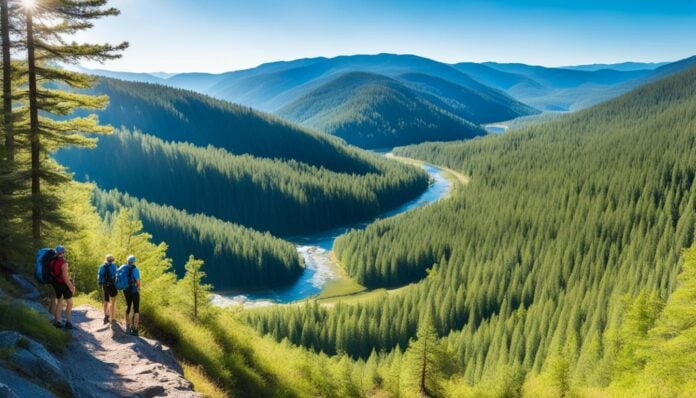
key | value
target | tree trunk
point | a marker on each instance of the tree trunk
(6, 81)
(34, 136)
(424, 365)
(195, 295)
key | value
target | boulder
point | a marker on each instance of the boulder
(34, 305)
(13, 385)
(33, 360)
(6, 392)
(29, 290)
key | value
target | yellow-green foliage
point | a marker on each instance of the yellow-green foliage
(201, 383)
(668, 367)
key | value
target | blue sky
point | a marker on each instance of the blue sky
(218, 35)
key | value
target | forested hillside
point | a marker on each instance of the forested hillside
(374, 111)
(178, 115)
(475, 106)
(531, 266)
(283, 197)
(235, 257)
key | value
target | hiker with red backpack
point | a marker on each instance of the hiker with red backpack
(63, 287)
(106, 278)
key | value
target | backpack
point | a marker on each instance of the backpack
(104, 276)
(42, 269)
(124, 277)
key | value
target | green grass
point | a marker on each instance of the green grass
(8, 288)
(18, 317)
(342, 286)
(201, 382)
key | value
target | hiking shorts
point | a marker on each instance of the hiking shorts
(62, 290)
(134, 299)
(108, 291)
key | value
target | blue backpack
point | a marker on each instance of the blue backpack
(124, 277)
(104, 276)
(42, 268)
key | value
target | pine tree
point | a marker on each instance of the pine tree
(424, 360)
(14, 242)
(195, 292)
(48, 22)
(6, 80)
(671, 353)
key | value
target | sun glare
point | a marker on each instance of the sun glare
(30, 4)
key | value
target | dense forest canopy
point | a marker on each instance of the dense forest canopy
(528, 265)
(283, 197)
(235, 257)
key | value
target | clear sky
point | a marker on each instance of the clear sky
(219, 35)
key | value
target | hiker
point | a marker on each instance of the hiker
(128, 279)
(63, 287)
(106, 278)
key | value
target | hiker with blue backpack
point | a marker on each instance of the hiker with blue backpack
(128, 280)
(106, 278)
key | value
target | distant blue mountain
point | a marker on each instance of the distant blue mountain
(622, 66)
(567, 89)
(273, 86)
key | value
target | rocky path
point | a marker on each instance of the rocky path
(104, 361)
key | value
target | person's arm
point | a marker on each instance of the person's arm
(137, 280)
(66, 277)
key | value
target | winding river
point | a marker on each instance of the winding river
(315, 249)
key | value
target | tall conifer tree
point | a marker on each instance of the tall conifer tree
(48, 24)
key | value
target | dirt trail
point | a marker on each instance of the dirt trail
(104, 361)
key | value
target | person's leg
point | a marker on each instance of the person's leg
(128, 307)
(68, 309)
(113, 301)
(105, 300)
(57, 311)
(54, 303)
(136, 310)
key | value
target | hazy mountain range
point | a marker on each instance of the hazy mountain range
(273, 86)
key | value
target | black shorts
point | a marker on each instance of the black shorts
(62, 290)
(134, 299)
(108, 291)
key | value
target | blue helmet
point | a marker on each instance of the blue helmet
(131, 259)
(60, 249)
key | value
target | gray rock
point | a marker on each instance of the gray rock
(31, 359)
(6, 392)
(29, 290)
(34, 305)
(13, 385)
(9, 339)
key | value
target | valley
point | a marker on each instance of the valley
(347, 199)
(323, 277)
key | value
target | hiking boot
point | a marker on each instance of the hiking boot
(128, 329)
(68, 325)
(134, 332)
(57, 324)
(106, 320)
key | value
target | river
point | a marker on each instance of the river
(315, 249)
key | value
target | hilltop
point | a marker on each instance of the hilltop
(374, 111)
